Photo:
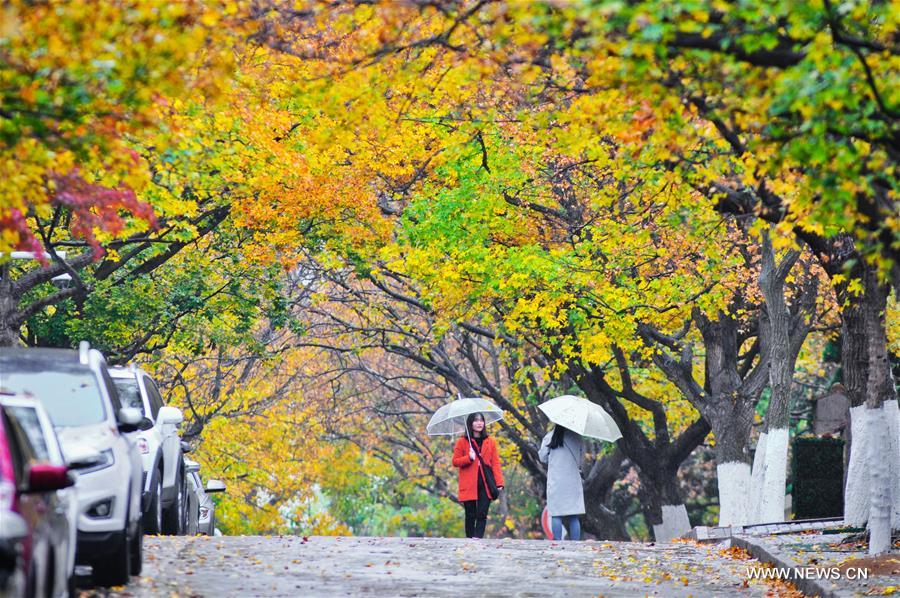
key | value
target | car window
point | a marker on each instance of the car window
(111, 389)
(71, 398)
(156, 401)
(129, 393)
(28, 419)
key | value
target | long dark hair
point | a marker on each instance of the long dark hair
(470, 419)
(557, 439)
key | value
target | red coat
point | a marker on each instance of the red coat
(469, 474)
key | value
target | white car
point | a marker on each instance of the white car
(164, 481)
(79, 395)
(33, 419)
(202, 518)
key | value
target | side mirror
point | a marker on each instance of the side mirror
(44, 477)
(170, 415)
(81, 456)
(215, 486)
(146, 424)
(185, 448)
(130, 419)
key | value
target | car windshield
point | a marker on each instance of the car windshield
(71, 398)
(129, 393)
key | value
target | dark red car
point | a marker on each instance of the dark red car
(31, 521)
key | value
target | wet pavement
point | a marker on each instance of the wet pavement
(352, 566)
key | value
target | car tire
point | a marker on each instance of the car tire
(153, 518)
(50, 575)
(173, 517)
(115, 569)
(136, 550)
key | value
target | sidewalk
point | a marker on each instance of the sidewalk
(823, 559)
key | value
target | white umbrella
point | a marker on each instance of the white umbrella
(450, 420)
(582, 417)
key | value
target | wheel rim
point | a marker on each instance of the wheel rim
(158, 505)
(181, 507)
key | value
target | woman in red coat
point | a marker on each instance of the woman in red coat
(473, 491)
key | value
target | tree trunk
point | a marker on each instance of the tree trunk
(9, 333)
(599, 519)
(661, 503)
(856, 494)
(731, 427)
(770, 464)
(603, 522)
(881, 390)
(774, 477)
(757, 476)
(873, 477)
(892, 411)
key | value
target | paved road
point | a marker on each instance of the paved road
(326, 566)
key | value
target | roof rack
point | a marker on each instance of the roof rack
(84, 349)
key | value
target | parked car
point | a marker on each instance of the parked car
(35, 514)
(164, 483)
(202, 517)
(34, 422)
(79, 395)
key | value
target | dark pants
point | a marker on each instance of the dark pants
(476, 513)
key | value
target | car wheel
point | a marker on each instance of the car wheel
(136, 550)
(173, 517)
(153, 518)
(114, 570)
(185, 507)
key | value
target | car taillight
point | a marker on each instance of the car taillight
(143, 446)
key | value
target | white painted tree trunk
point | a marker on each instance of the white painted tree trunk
(734, 493)
(774, 477)
(892, 411)
(882, 485)
(856, 494)
(757, 478)
(675, 523)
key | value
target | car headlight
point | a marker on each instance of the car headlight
(107, 459)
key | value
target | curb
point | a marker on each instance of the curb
(703, 533)
(768, 554)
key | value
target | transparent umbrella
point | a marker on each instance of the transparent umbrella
(582, 417)
(450, 420)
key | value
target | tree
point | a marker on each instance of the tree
(80, 82)
(787, 330)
